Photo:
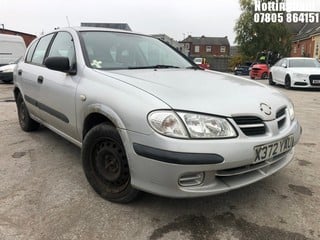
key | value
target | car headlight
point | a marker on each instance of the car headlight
(301, 75)
(167, 123)
(192, 124)
(7, 70)
(205, 126)
(291, 111)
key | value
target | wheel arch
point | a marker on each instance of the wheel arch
(287, 75)
(16, 91)
(98, 114)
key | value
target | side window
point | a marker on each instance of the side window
(63, 46)
(31, 51)
(41, 49)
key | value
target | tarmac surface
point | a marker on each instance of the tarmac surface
(45, 195)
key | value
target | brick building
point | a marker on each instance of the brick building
(26, 36)
(207, 46)
(307, 41)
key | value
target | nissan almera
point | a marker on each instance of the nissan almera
(148, 119)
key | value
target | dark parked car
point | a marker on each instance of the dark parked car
(242, 69)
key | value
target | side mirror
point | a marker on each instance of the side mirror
(284, 65)
(61, 64)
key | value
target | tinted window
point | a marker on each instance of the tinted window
(31, 50)
(304, 63)
(63, 46)
(279, 63)
(41, 49)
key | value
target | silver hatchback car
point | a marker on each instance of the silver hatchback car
(149, 119)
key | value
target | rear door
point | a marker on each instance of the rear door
(28, 72)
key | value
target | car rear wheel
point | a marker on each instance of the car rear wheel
(26, 123)
(106, 166)
(287, 82)
(264, 75)
(271, 82)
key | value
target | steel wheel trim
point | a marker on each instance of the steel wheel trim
(22, 113)
(109, 165)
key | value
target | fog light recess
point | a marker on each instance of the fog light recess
(191, 179)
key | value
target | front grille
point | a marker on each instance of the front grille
(314, 77)
(281, 117)
(281, 112)
(250, 125)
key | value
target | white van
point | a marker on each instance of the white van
(11, 48)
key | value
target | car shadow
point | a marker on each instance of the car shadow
(298, 89)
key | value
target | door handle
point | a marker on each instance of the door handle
(19, 72)
(40, 79)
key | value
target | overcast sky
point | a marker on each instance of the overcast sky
(176, 18)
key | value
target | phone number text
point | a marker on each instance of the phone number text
(287, 17)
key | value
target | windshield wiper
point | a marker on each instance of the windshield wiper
(193, 67)
(154, 66)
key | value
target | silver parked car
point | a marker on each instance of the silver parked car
(149, 119)
(296, 72)
(6, 71)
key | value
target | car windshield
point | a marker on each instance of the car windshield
(114, 50)
(303, 63)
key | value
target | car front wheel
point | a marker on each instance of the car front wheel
(287, 82)
(106, 166)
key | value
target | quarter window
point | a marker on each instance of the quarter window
(41, 49)
(31, 51)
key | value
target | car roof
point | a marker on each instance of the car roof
(293, 58)
(100, 29)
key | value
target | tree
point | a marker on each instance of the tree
(255, 37)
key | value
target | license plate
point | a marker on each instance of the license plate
(316, 81)
(273, 149)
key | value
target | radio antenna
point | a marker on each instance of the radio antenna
(68, 21)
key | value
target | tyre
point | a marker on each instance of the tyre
(106, 166)
(7, 81)
(287, 82)
(264, 75)
(271, 82)
(27, 124)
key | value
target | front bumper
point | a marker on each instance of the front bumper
(6, 76)
(237, 169)
(304, 82)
